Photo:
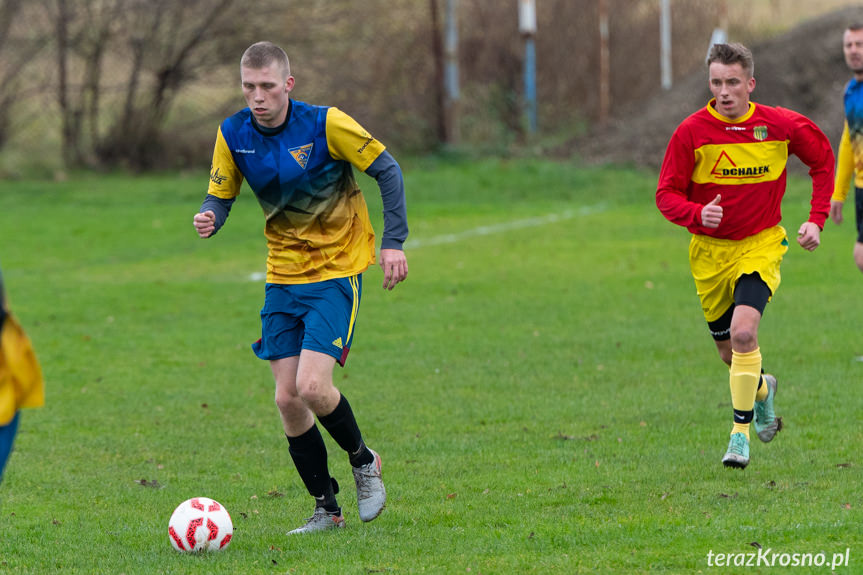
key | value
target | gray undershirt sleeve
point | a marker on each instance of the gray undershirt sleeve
(386, 171)
(220, 207)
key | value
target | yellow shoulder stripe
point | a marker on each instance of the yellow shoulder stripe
(349, 141)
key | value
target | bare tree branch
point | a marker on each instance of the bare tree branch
(8, 11)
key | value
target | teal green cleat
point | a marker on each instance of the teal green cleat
(738, 452)
(765, 422)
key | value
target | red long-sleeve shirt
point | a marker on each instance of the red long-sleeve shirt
(743, 160)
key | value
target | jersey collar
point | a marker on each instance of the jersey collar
(711, 108)
(264, 130)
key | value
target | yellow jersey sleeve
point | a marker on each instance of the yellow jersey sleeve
(225, 177)
(844, 166)
(347, 140)
(21, 382)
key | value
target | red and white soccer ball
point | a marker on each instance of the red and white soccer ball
(200, 524)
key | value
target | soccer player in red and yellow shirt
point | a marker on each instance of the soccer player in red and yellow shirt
(723, 178)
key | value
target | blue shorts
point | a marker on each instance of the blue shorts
(316, 316)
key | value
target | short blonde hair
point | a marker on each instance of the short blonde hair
(262, 54)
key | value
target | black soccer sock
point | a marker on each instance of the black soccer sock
(762, 391)
(342, 426)
(310, 458)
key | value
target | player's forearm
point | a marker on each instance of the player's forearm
(220, 207)
(810, 144)
(819, 208)
(386, 171)
(822, 190)
(677, 209)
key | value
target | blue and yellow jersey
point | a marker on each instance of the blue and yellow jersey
(849, 160)
(317, 221)
(21, 382)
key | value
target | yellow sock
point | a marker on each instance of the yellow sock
(744, 376)
(762, 392)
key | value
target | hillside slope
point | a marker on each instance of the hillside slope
(803, 69)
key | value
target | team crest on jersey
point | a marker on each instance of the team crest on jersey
(302, 154)
(760, 133)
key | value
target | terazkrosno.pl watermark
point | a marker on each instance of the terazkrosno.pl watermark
(770, 558)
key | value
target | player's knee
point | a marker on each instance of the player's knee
(288, 402)
(745, 339)
(312, 389)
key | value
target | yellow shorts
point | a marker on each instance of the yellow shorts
(717, 264)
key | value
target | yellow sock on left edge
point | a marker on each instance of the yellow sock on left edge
(745, 373)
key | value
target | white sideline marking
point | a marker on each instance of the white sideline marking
(504, 227)
(487, 230)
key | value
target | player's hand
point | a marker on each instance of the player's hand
(395, 267)
(711, 214)
(836, 211)
(205, 223)
(809, 236)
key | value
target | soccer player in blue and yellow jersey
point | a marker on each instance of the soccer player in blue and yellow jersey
(849, 161)
(723, 178)
(298, 160)
(20, 378)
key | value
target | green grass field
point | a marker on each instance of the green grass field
(542, 389)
